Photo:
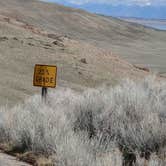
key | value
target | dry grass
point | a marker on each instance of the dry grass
(98, 127)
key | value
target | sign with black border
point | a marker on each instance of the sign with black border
(45, 76)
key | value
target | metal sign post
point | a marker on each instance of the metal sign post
(45, 77)
(44, 95)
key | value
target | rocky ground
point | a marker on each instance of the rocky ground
(6, 160)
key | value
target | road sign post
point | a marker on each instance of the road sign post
(44, 94)
(45, 77)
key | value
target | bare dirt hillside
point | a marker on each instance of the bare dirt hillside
(133, 42)
(79, 64)
(83, 46)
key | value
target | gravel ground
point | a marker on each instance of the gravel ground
(6, 160)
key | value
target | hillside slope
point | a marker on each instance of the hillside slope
(83, 46)
(74, 22)
(79, 64)
(133, 42)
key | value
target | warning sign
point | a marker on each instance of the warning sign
(45, 76)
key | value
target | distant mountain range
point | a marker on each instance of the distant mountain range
(147, 12)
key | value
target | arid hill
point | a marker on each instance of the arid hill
(134, 42)
(83, 46)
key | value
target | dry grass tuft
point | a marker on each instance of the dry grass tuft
(122, 125)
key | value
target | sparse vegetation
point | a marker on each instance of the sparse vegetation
(122, 125)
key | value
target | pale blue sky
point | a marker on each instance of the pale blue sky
(116, 2)
(153, 9)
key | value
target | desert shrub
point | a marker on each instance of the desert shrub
(131, 114)
(153, 161)
(4, 126)
(91, 128)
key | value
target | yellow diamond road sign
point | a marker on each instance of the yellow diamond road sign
(45, 76)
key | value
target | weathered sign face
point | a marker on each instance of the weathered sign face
(45, 76)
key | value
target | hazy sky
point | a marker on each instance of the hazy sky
(148, 9)
(117, 2)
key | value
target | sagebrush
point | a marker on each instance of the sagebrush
(121, 125)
